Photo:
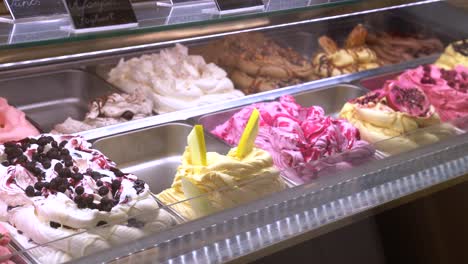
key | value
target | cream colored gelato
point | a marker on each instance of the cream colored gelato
(391, 112)
(174, 79)
(226, 180)
(113, 109)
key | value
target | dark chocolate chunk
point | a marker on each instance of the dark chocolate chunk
(116, 185)
(62, 188)
(46, 164)
(103, 191)
(58, 167)
(68, 163)
(38, 186)
(77, 176)
(29, 191)
(55, 224)
(53, 153)
(128, 115)
(96, 175)
(63, 143)
(10, 144)
(79, 190)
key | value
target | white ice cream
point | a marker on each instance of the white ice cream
(174, 79)
(52, 214)
(113, 109)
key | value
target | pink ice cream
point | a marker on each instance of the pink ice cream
(447, 90)
(295, 135)
(13, 123)
(4, 241)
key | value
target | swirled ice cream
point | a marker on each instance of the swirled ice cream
(226, 181)
(296, 135)
(113, 109)
(455, 54)
(174, 80)
(447, 90)
(57, 186)
(389, 112)
(13, 123)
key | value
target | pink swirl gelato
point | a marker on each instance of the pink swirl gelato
(294, 135)
(447, 90)
(58, 186)
(13, 123)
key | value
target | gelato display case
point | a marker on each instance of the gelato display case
(202, 137)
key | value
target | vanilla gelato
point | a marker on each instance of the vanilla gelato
(226, 180)
(113, 109)
(391, 112)
(174, 80)
(57, 186)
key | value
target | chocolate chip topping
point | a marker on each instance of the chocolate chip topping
(55, 224)
(51, 155)
(103, 190)
(128, 115)
(79, 190)
(29, 191)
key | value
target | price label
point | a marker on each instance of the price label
(232, 6)
(92, 14)
(23, 9)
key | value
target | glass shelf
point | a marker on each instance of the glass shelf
(151, 17)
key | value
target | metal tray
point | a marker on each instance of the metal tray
(378, 81)
(54, 96)
(331, 99)
(153, 154)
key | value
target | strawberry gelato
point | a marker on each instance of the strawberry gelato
(296, 135)
(447, 90)
(13, 123)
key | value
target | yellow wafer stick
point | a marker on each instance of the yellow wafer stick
(197, 147)
(247, 141)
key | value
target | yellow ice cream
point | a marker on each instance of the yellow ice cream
(252, 177)
(377, 122)
(455, 54)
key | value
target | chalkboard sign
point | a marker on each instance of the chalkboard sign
(21, 9)
(232, 5)
(86, 14)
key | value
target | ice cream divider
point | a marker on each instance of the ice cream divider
(330, 98)
(56, 95)
(153, 154)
